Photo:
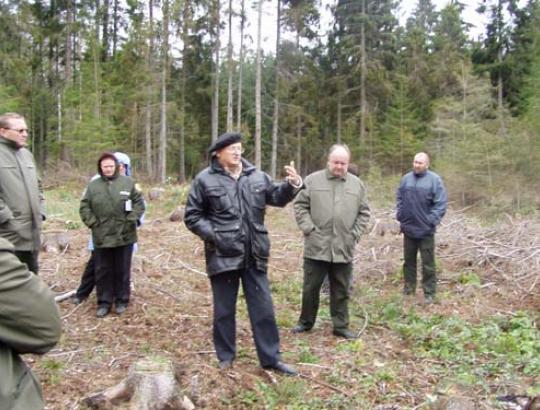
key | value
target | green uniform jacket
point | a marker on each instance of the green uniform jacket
(103, 210)
(332, 213)
(29, 323)
(21, 198)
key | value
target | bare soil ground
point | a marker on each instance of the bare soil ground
(170, 314)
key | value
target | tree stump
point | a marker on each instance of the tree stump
(177, 215)
(151, 385)
(155, 194)
(454, 403)
(381, 228)
(54, 241)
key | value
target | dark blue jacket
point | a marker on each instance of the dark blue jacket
(421, 203)
(228, 215)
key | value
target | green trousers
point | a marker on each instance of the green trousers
(339, 275)
(426, 246)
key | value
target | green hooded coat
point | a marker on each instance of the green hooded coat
(103, 210)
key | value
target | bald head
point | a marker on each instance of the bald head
(420, 163)
(339, 157)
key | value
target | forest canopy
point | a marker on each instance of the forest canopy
(161, 79)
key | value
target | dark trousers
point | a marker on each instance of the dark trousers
(426, 246)
(88, 279)
(260, 309)
(30, 258)
(113, 274)
(339, 275)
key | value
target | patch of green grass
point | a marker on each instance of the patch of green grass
(469, 278)
(353, 346)
(499, 345)
(288, 393)
(247, 398)
(52, 369)
(287, 291)
(63, 205)
(305, 355)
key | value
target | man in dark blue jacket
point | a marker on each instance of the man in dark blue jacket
(225, 208)
(421, 204)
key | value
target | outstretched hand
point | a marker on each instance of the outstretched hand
(292, 176)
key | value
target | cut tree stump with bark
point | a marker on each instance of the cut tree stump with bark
(177, 215)
(155, 194)
(151, 385)
(55, 241)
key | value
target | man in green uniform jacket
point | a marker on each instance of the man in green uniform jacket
(332, 212)
(21, 198)
(29, 323)
(111, 207)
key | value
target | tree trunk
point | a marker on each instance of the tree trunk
(69, 42)
(97, 20)
(258, 112)
(240, 69)
(105, 36)
(215, 86)
(185, 40)
(298, 142)
(275, 124)
(230, 66)
(363, 75)
(116, 17)
(148, 111)
(339, 120)
(162, 159)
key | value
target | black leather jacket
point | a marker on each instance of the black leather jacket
(228, 215)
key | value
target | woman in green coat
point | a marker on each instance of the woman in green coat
(110, 207)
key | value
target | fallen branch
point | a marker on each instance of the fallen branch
(329, 386)
(64, 296)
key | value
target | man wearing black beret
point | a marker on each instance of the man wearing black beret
(225, 208)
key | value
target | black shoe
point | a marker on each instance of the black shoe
(103, 311)
(282, 368)
(347, 334)
(429, 300)
(300, 329)
(120, 308)
(77, 300)
(225, 364)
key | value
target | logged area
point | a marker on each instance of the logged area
(478, 346)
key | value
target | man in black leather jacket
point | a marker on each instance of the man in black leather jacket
(225, 208)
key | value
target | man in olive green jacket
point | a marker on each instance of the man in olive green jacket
(29, 323)
(332, 212)
(111, 207)
(21, 198)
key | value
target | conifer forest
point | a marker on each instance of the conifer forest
(161, 79)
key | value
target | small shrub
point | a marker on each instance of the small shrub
(469, 278)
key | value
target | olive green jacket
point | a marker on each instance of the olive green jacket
(103, 210)
(21, 197)
(332, 213)
(29, 323)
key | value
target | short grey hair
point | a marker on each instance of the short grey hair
(7, 117)
(336, 146)
(423, 154)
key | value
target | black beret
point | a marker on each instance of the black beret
(224, 140)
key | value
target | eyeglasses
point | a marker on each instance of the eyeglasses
(241, 150)
(20, 131)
